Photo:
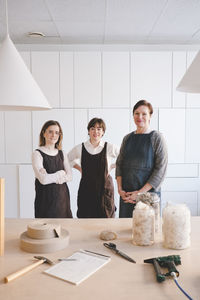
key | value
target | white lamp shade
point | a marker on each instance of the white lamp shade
(190, 83)
(18, 89)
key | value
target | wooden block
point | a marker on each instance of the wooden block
(2, 188)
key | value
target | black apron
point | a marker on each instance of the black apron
(52, 200)
(96, 191)
(137, 167)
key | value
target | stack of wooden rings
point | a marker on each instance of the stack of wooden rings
(44, 237)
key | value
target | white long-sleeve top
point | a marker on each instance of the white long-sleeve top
(41, 174)
(74, 155)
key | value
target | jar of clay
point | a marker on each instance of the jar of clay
(176, 226)
(153, 200)
(143, 224)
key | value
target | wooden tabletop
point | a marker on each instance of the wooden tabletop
(119, 279)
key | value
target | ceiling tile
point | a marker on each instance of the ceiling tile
(77, 10)
(103, 21)
(179, 21)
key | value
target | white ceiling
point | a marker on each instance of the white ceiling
(102, 21)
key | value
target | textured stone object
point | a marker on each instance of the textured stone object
(108, 235)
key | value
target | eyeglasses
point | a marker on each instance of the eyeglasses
(53, 132)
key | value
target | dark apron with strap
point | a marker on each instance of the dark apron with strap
(52, 200)
(96, 191)
(137, 167)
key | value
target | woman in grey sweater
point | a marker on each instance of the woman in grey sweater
(142, 162)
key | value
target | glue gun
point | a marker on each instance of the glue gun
(168, 262)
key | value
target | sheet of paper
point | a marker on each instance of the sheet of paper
(84, 265)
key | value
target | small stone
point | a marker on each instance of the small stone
(108, 235)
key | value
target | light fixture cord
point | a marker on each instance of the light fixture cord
(7, 33)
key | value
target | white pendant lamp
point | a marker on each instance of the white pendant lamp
(18, 89)
(190, 83)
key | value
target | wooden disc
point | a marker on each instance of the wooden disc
(43, 230)
(44, 245)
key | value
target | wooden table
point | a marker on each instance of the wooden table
(119, 279)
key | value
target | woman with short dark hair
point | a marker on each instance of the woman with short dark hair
(52, 171)
(94, 160)
(142, 162)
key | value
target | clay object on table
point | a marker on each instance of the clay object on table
(108, 235)
(44, 237)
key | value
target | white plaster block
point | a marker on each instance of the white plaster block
(116, 79)
(45, 69)
(172, 125)
(26, 191)
(87, 79)
(152, 77)
(18, 136)
(66, 79)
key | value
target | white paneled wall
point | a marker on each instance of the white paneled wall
(152, 77)
(192, 135)
(179, 68)
(73, 188)
(66, 79)
(182, 170)
(80, 125)
(27, 194)
(172, 125)
(45, 69)
(116, 79)
(18, 137)
(82, 85)
(87, 84)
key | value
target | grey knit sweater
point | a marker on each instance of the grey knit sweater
(160, 163)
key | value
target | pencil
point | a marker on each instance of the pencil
(96, 253)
